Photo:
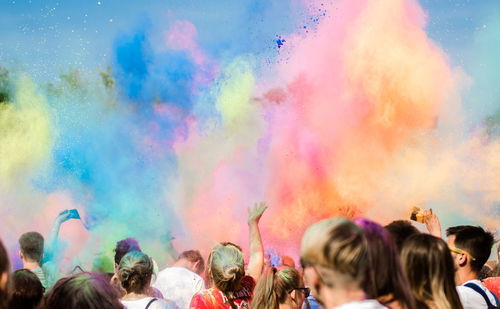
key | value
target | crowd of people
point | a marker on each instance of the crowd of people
(343, 264)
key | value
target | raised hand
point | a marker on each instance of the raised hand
(257, 211)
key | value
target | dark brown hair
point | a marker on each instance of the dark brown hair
(125, 246)
(4, 268)
(83, 290)
(26, 290)
(475, 241)
(386, 275)
(32, 246)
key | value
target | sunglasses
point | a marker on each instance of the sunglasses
(460, 251)
(306, 291)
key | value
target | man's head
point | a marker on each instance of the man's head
(192, 260)
(400, 230)
(334, 255)
(31, 244)
(123, 247)
(470, 246)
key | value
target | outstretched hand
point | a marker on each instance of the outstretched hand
(66, 214)
(257, 211)
(432, 223)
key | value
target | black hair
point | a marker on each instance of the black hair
(400, 230)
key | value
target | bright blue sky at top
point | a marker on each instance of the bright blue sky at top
(45, 37)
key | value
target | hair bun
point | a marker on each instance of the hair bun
(232, 272)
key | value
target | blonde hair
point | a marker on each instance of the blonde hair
(430, 270)
(274, 287)
(337, 249)
(226, 266)
(135, 271)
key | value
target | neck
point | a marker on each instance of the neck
(30, 265)
(333, 297)
(135, 296)
(465, 274)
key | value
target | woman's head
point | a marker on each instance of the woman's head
(84, 290)
(226, 266)
(429, 268)
(26, 289)
(135, 271)
(336, 251)
(387, 280)
(279, 287)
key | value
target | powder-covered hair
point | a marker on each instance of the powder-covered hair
(274, 287)
(338, 251)
(387, 280)
(135, 271)
(226, 267)
(430, 270)
(84, 290)
(194, 256)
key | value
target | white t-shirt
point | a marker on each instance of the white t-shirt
(364, 304)
(471, 299)
(179, 285)
(142, 303)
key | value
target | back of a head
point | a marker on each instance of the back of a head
(476, 241)
(274, 287)
(26, 290)
(4, 272)
(32, 246)
(194, 256)
(135, 271)
(337, 249)
(429, 267)
(125, 246)
(385, 271)
(400, 230)
(84, 290)
(226, 266)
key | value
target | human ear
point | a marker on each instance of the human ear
(3, 281)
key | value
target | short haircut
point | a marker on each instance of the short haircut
(194, 256)
(400, 230)
(32, 246)
(476, 241)
(337, 249)
(125, 246)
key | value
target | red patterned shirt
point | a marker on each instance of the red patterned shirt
(214, 298)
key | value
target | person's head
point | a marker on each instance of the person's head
(334, 257)
(279, 287)
(287, 261)
(470, 247)
(429, 268)
(135, 271)
(226, 267)
(83, 290)
(387, 280)
(31, 244)
(123, 247)
(192, 260)
(4, 275)
(400, 230)
(26, 290)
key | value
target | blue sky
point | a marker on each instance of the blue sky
(45, 37)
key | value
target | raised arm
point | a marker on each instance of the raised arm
(432, 223)
(256, 260)
(51, 241)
